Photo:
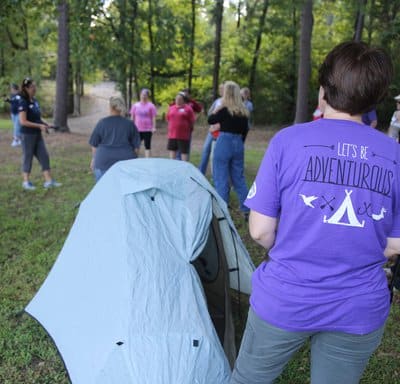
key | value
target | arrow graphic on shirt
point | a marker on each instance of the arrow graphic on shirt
(383, 157)
(332, 147)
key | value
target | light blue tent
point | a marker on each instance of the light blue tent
(139, 292)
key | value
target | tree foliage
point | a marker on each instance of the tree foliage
(164, 46)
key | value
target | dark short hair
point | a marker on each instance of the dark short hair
(355, 77)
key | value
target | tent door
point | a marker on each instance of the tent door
(211, 265)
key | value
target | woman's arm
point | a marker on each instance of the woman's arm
(392, 247)
(26, 123)
(262, 229)
(92, 161)
(216, 117)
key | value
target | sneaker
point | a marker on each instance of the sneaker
(51, 184)
(28, 186)
(15, 143)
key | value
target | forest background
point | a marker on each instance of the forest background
(272, 46)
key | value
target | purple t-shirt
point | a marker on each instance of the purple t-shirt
(334, 184)
(369, 117)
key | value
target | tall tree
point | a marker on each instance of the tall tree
(218, 14)
(61, 105)
(359, 22)
(261, 25)
(239, 13)
(304, 71)
(192, 42)
(132, 72)
(152, 47)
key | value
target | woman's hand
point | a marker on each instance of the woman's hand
(44, 128)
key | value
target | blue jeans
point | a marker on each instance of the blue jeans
(16, 125)
(205, 153)
(336, 357)
(228, 165)
(98, 173)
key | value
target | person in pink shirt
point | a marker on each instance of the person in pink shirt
(144, 113)
(180, 119)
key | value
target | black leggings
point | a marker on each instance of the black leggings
(33, 145)
(146, 137)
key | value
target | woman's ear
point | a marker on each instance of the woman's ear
(321, 99)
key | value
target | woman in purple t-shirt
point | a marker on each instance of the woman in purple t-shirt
(326, 204)
(144, 114)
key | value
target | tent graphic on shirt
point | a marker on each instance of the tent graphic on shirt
(346, 208)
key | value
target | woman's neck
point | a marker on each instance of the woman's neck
(330, 113)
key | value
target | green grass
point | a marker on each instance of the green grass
(33, 227)
(5, 123)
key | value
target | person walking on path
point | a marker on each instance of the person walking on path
(14, 100)
(212, 134)
(144, 113)
(32, 127)
(246, 97)
(228, 161)
(328, 234)
(394, 128)
(114, 138)
(180, 119)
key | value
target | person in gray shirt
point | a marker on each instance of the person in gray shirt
(114, 138)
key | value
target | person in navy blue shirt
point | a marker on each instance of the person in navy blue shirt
(32, 126)
(14, 103)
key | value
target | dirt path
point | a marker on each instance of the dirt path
(95, 106)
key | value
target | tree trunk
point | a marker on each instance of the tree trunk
(359, 23)
(131, 69)
(152, 49)
(304, 63)
(61, 105)
(292, 75)
(136, 82)
(192, 40)
(370, 25)
(2, 62)
(239, 13)
(219, 10)
(77, 89)
(70, 103)
(256, 53)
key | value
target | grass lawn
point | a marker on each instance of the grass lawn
(33, 227)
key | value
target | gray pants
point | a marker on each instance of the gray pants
(33, 145)
(336, 357)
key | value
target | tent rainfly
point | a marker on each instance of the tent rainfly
(140, 291)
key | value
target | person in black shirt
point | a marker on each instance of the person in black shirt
(32, 126)
(228, 162)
